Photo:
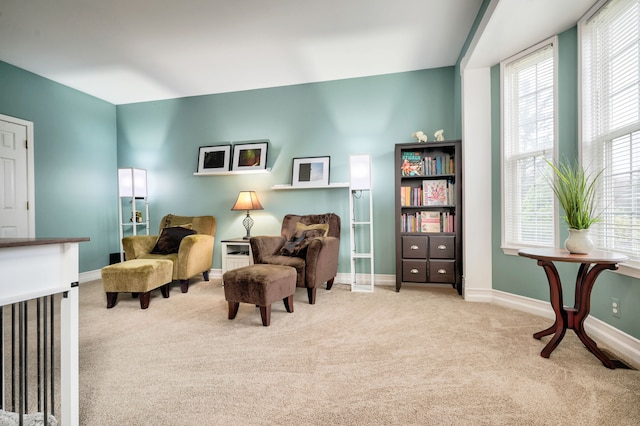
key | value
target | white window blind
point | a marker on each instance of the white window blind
(610, 88)
(528, 109)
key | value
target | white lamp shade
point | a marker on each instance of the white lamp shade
(360, 172)
(132, 182)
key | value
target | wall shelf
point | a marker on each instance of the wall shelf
(234, 172)
(330, 186)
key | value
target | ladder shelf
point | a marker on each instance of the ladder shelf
(361, 228)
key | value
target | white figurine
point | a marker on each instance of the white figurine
(420, 136)
(439, 135)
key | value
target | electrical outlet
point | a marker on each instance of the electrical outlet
(615, 307)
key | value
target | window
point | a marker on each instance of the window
(528, 136)
(610, 90)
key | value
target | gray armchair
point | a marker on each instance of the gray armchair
(317, 263)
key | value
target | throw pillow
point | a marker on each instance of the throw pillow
(298, 244)
(184, 225)
(169, 240)
(324, 227)
(288, 247)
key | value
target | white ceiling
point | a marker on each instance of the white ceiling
(510, 26)
(126, 51)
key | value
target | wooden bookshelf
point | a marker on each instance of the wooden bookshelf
(428, 212)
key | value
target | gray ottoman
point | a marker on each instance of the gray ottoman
(260, 285)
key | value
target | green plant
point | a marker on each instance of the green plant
(576, 192)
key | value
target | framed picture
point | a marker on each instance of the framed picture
(250, 156)
(310, 171)
(214, 159)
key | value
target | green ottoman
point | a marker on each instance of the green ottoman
(260, 285)
(138, 277)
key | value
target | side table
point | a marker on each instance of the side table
(236, 253)
(590, 267)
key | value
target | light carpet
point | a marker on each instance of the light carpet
(422, 356)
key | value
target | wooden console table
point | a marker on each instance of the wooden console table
(590, 267)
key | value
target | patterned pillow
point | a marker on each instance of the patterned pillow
(169, 241)
(324, 227)
(298, 244)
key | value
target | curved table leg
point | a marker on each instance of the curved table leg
(583, 306)
(546, 331)
(559, 327)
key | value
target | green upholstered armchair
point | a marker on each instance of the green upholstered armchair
(195, 253)
(317, 265)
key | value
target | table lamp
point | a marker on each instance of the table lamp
(247, 200)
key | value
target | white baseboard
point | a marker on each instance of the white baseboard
(85, 277)
(379, 279)
(622, 343)
(619, 341)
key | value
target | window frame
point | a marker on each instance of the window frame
(512, 247)
(632, 267)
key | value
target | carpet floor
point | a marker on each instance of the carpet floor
(422, 356)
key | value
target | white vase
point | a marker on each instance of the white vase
(579, 241)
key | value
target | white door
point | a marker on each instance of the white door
(15, 218)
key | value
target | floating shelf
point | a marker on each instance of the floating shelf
(330, 186)
(234, 172)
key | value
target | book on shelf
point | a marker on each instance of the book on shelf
(410, 196)
(409, 223)
(448, 222)
(429, 221)
(435, 192)
(412, 164)
(439, 165)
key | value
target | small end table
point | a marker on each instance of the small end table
(236, 253)
(590, 267)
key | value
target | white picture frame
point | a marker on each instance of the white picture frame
(310, 172)
(250, 156)
(214, 159)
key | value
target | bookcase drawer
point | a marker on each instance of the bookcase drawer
(414, 271)
(442, 247)
(442, 271)
(414, 247)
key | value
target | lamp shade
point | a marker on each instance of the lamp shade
(247, 200)
(132, 183)
(360, 171)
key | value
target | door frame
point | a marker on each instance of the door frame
(31, 199)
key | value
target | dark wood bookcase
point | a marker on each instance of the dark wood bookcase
(428, 203)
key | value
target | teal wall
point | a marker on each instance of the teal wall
(338, 118)
(75, 160)
(522, 276)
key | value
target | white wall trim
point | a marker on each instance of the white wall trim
(476, 185)
(478, 295)
(88, 276)
(619, 341)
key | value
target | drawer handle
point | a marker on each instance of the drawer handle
(442, 247)
(442, 271)
(414, 271)
(414, 247)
